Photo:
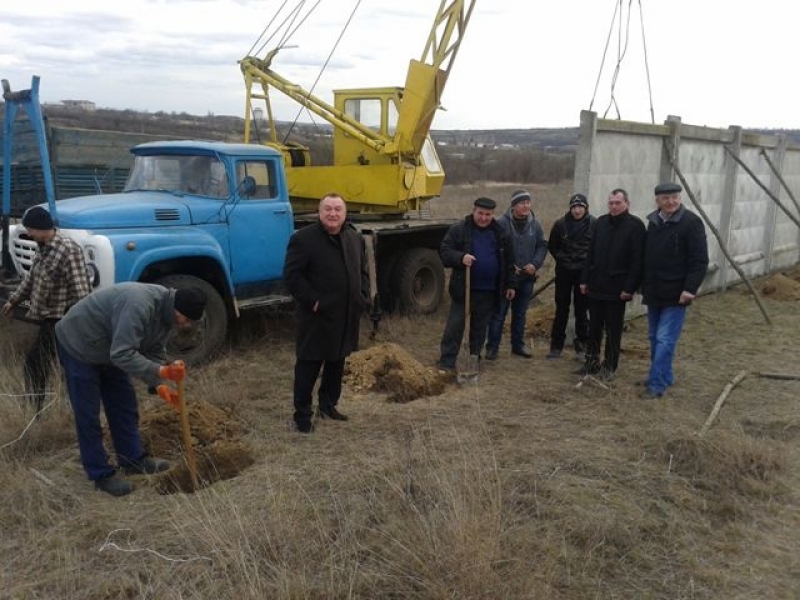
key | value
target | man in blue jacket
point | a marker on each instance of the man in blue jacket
(530, 250)
(675, 263)
(480, 243)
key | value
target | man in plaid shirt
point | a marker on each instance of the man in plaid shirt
(57, 279)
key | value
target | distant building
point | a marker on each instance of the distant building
(85, 105)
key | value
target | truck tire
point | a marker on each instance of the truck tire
(203, 341)
(419, 281)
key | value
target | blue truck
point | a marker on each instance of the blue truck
(216, 216)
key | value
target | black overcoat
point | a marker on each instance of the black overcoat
(330, 270)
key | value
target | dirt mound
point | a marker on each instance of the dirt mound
(215, 439)
(391, 369)
(779, 287)
(538, 320)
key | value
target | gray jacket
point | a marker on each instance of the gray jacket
(125, 325)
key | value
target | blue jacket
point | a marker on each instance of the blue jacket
(530, 246)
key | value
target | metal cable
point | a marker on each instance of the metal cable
(646, 65)
(324, 66)
(603, 60)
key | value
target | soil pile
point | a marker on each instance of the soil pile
(780, 287)
(215, 439)
(391, 369)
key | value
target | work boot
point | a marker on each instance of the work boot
(523, 352)
(147, 465)
(332, 414)
(491, 353)
(554, 353)
(580, 346)
(114, 485)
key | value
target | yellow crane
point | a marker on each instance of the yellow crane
(383, 159)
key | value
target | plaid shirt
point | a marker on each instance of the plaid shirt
(57, 279)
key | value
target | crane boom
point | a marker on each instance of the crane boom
(391, 155)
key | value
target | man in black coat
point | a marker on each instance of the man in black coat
(675, 263)
(569, 245)
(480, 243)
(327, 275)
(611, 275)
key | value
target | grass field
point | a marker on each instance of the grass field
(530, 484)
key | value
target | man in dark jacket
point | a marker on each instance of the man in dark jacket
(569, 245)
(327, 275)
(611, 275)
(675, 263)
(482, 245)
(530, 250)
(105, 339)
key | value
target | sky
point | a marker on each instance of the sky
(521, 64)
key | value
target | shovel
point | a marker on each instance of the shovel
(467, 371)
(191, 461)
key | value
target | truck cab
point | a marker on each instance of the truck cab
(209, 215)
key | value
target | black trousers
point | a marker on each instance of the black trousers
(305, 377)
(605, 316)
(568, 290)
(39, 361)
(482, 306)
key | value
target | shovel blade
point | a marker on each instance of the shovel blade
(468, 369)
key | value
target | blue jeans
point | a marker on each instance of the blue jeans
(519, 306)
(664, 325)
(89, 386)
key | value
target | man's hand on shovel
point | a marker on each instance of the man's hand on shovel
(175, 371)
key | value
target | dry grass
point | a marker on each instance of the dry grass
(522, 486)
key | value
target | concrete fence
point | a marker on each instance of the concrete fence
(727, 171)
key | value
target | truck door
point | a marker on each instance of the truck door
(259, 225)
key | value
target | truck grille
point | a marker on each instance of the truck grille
(167, 214)
(23, 250)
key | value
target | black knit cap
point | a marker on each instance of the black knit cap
(578, 200)
(486, 203)
(190, 303)
(37, 217)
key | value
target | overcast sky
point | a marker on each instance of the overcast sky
(522, 63)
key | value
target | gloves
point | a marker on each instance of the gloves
(175, 371)
(169, 395)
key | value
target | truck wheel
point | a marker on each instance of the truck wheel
(202, 341)
(419, 281)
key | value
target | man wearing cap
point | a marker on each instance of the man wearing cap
(105, 339)
(56, 280)
(569, 245)
(611, 275)
(530, 250)
(675, 263)
(479, 243)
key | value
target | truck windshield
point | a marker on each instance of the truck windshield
(200, 175)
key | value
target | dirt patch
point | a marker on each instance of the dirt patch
(215, 438)
(538, 320)
(391, 369)
(780, 286)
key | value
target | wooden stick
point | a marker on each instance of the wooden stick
(786, 376)
(543, 287)
(717, 235)
(191, 462)
(780, 178)
(794, 219)
(718, 404)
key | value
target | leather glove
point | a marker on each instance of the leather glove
(169, 395)
(175, 371)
